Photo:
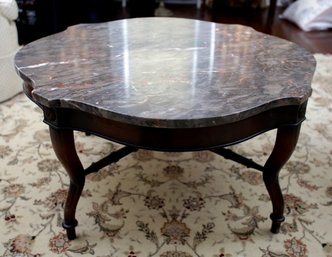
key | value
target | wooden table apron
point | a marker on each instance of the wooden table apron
(203, 86)
(175, 139)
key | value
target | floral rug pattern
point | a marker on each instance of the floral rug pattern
(159, 204)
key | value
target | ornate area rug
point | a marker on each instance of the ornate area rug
(166, 204)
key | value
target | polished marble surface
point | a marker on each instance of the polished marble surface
(166, 72)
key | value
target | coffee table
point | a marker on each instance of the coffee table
(168, 84)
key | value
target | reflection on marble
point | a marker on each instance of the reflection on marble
(166, 72)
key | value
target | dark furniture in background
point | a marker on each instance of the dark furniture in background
(39, 18)
(259, 19)
(142, 8)
(250, 9)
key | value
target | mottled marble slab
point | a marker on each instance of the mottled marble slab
(166, 72)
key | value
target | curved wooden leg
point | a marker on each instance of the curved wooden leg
(284, 146)
(64, 148)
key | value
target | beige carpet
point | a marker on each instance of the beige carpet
(166, 204)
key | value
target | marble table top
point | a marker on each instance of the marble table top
(166, 72)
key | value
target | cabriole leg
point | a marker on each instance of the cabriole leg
(284, 146)
(64, 148)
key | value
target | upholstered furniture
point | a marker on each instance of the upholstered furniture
(310, 14)
(10, 82)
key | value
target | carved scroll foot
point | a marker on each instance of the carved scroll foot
(70, 229)
(276, 223)
(284, 146)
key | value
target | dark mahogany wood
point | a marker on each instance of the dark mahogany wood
(286, 140)
(204, 86)
(64, 148)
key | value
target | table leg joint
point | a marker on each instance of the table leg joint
(229, 154)
(109, 159)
